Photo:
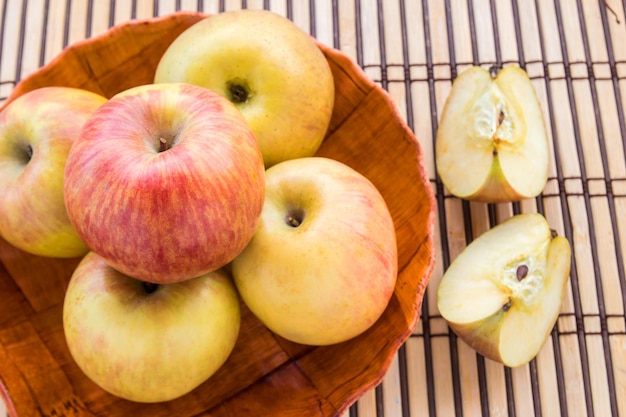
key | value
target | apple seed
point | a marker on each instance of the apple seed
(500, 117)
(521, 272)
(507, 306)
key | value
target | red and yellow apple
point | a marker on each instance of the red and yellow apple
(322, 265)
(272, 70)
(502, 294)
(148, 342)
(36, 133)
(492, 143)
(166, 182)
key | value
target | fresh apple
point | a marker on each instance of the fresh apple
(37, 130)
(272, 70)
(322, 265)
(491, 143)
(166, 182)
(503, 293)
(148, 342)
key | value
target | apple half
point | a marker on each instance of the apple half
(503, 293)
(492, 144)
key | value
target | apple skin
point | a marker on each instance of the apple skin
(148, 347)
(289, 88)
(165, 216)
(492, 143)
(329, 278)
(37, 130)
(482, 280)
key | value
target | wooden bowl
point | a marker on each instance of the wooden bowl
(265, 375)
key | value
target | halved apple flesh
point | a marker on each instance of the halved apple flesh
(503, 293)
(491, 143)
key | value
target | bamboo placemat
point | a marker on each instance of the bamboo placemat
(575, 53)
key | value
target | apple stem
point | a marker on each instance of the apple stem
(521, 272)
(162, 145)
(26, 153)
(293, 221)
(239, 94)
(238, 91)
(493, 71)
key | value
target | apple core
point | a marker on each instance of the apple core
(491, 120)
(524, 278)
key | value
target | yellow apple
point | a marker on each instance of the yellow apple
(148, 342)
(502, 294)
(322, 265)
(268, 67)
(37, 131)
(491, 143)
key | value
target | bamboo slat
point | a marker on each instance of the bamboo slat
(575, 53)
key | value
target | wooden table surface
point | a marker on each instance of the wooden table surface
(575, 53)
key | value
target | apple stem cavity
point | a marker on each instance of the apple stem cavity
(149, 287)
(164, 141)
(238, 91)
(26, 153)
